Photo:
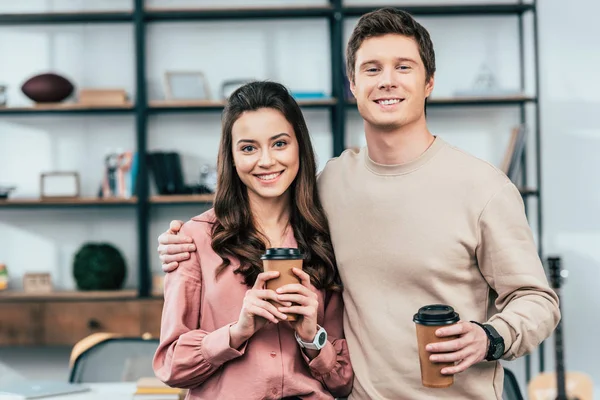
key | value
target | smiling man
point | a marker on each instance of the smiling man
(415, 221)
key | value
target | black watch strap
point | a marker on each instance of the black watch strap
(496, 346)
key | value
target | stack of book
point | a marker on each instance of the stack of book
(153, 389)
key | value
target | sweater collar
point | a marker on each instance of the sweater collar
(405, 168)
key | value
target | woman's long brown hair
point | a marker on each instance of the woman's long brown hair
(234, 234)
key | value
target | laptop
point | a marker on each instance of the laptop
(26, 390)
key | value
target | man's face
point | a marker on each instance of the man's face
(389, 82)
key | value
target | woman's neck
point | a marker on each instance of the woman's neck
(271, 217)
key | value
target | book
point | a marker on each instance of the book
(151, 388)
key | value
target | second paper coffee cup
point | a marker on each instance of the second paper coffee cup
(427, 320)
(282, 259)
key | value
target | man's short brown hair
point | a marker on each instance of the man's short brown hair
(389, 20)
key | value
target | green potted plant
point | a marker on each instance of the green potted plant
(99, 266)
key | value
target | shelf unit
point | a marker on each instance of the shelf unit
(335, 13)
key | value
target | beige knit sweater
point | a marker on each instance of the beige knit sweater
(444, 228)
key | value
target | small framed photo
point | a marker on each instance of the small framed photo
(37, 282)
(59, 185)
(186, 85)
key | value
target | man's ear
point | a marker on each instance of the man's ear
(352, 87)
(429, 86)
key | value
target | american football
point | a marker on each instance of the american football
(47, 88)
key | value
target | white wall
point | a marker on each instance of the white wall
(102, 55)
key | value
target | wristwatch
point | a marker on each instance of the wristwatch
(318, 342)
(496, 347)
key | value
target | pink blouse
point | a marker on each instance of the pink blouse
(194, 349)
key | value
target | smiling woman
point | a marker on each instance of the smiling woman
(266, 162)
(218, 301)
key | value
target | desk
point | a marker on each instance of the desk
(99, 391)
(103, 391)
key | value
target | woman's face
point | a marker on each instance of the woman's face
(265, 152)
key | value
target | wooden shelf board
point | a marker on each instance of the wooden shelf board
(182, 199)
(9, 295)
(66, 201)
(186, 103)
(219, 104)
(67, 108)
(237, 8)
(470, 101)
(527, 191)
(235, 13)
(447, 9)
(67, 16)
(474, 99)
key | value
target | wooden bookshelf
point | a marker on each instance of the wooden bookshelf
(79, 201)
(470, 101)
(527, 191)
(60, 17)
(11, 295)
(457, 9)
(206, 105)
(77, 108)
(183, 199)
(232, 13)
(517, 99)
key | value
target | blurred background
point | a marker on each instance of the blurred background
(89, 88)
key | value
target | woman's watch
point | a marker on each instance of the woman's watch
(318, 342)
(496, 347)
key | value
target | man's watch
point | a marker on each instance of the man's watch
(318, 342)
(496, 347)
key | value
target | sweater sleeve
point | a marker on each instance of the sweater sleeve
(509, 261)
(332, 366)
(186, 355)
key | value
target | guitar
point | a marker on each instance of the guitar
(560, 385)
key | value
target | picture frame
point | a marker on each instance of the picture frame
(186, 85)
(37, 282)
(59, 185)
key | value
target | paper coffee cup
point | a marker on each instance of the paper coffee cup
(282, 259)
(427, 320)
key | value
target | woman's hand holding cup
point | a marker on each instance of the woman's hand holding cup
(305, 304)
(256, 311)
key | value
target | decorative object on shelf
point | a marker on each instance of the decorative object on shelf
(3, 96)
(486, 85)
(208, 178)
(99, 266)
(103, 97)
(120, 171)
(186, 85)
(61, 184)
(3, 277)
(5, 192)
(168, 175)
(230, 86)
(47, 88)
(514, 151)
(307, 95)
(37, 283)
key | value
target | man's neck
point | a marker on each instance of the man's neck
(400, 146)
